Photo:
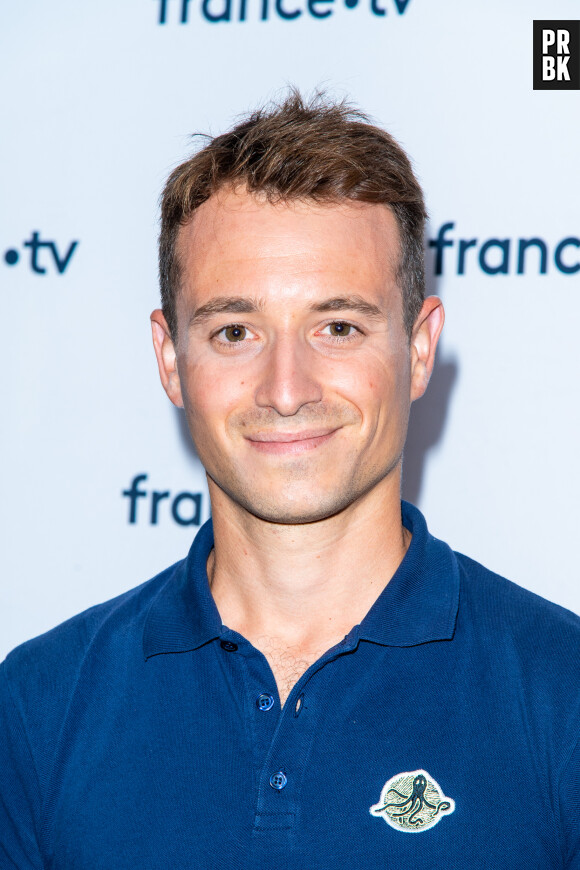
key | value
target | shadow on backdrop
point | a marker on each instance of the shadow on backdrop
(429, 414)
(184, 435)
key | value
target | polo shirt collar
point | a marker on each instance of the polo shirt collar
(420, 602)
(183, 616)
(418, 605)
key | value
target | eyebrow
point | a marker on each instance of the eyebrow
(249, 305)
(227, 305)
(350, 303)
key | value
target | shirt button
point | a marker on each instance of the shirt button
(278, 780)
(299, 705)
(228, 645)
(264, 702)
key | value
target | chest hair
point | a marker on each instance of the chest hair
(287, 664)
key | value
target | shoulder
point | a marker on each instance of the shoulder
(512, 608)
(531, 639)
(51, 660)
(524, 659)
(76, 670)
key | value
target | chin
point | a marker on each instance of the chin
(282, 515)
(291, 508)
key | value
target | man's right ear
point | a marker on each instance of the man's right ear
(166, 357)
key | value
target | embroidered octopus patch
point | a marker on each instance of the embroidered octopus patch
(412, 802)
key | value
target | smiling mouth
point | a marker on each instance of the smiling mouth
(290, 442)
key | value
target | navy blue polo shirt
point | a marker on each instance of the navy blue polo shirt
(442, 732)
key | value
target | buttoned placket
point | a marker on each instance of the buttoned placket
(280, 739)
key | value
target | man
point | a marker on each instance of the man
(320, 684)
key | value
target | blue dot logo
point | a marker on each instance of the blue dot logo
(11, 256)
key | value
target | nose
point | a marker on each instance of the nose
(288, 379)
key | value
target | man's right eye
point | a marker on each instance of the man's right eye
(233, 333)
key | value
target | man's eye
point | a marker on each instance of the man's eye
(338, 329)
(234, 333)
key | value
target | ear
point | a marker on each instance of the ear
(424, 338)
(166, 357)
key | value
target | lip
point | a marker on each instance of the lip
(290, 442)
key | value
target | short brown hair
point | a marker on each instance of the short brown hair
(296, 150)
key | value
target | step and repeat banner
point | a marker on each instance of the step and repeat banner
(101, 487)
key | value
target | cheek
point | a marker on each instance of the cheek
(380, 390)
(378, 380)
(212, 393)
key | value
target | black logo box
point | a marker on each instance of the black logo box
(573, 63)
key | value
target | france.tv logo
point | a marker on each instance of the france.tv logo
(45, 257)
(556, 55)
(218, 11)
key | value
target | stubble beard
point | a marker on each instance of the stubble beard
(287, 494)
(294, 501)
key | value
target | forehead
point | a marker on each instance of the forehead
(239, 241)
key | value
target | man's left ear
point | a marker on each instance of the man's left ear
(424, 338)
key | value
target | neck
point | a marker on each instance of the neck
(305, 586)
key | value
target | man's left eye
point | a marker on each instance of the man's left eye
(338, 329)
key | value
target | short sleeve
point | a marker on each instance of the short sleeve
(19, 788)
(570, 809)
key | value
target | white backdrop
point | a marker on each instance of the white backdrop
(99, 99)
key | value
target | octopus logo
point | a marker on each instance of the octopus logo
(412, 802)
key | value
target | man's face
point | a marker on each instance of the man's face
(292, 361)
